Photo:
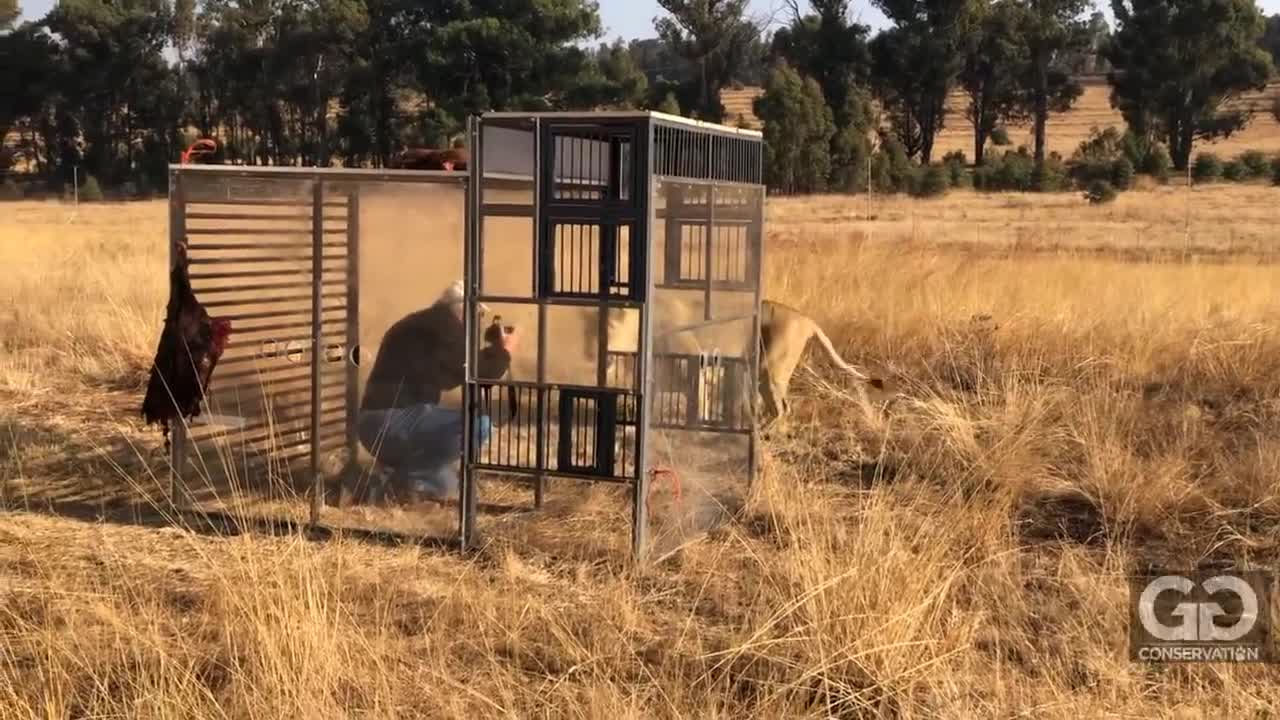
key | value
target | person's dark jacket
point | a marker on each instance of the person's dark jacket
(421, 357)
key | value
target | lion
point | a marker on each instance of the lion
(785, 333)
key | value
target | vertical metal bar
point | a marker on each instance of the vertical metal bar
(471, 259)
(608, 252)
(177, 236)
(756, 243)
(540, 229)
(643, 233)
(673, 246)
(709, 253)
(353, 324)
(317, 271)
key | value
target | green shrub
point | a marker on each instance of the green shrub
(1015, 172)
(1100, 192)
(1008, 171)
(1157, 163)
(891, 169)
(1255, 163)
(1104, 157)
(1122, 174)
(933, 181)
(1050, 175)
(1147, 156)
(1275, 170)
(956, 164)
(1234, 171)
(1101, 145)
(1206, 168)
(10, 190)
(1000, 137)
(90, 191)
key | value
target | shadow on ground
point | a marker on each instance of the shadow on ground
(78, 471)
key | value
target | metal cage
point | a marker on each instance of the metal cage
(574, 219)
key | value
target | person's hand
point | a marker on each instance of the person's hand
(510, 340)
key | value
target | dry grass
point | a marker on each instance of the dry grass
(962, 554)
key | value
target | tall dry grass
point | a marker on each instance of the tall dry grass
(1065, 419)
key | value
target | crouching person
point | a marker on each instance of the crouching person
(417, 442)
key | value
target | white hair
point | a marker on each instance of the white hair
(452, 294)
(455, 294)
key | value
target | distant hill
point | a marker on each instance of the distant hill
(1065, 131)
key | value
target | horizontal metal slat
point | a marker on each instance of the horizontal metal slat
(250, 273)
(274, 375)
(300, 217)
(302, 325)
(248, 231)
(506, 210)
(277, 301)
(248, 244)
(262, 202)
(279, 314)
(260, 287)
(262, 259)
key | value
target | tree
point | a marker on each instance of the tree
(916, 63)
(798, 127)
(1270, 40)
(1053, 32)
(111, 82)
(715, 37)
(851, 146)
(828, 47)
(9, 12)
(990, 74)
(610, 80)
(483, 55)
(1178, 67)
(26, 71)
(1086, 59)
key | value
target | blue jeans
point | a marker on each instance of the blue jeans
(420, 443)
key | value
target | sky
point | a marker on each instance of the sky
(634, 18)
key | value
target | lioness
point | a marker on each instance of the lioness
(784, 334)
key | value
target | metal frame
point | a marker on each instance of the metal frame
(642, 151)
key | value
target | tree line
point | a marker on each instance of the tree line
(844, 110)
(114, 90)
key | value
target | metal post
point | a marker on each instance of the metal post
(177, 236)
(708, 253)
(753, 367)
(643, 233)
(317, 298)
(471, 244)
(353, 326)
(540, 479)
